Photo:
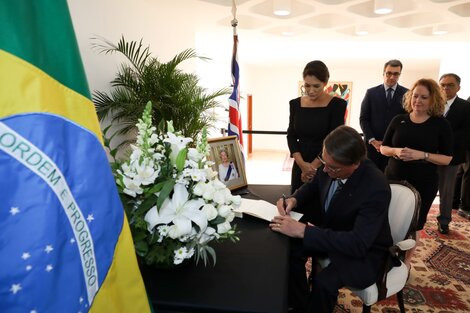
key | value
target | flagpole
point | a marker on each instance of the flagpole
(234, 21)
(235, 122)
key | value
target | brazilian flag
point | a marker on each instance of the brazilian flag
(65, 244)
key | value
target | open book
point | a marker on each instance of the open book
(261, 209)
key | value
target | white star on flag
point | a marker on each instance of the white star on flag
(14, 210)
(90, 218)
(29, 267)
(15, 288)
(25, 255)
(33, 311)
(48, 249)
(72, 241)
(81, 299)
(49, 268)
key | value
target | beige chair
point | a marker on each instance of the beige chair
(403, 216)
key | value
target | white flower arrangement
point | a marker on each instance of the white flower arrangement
(174, 201)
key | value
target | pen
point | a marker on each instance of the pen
(284, 201)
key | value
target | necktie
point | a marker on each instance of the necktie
(389, 95)
(335, 188)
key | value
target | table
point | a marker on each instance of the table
(250, 276)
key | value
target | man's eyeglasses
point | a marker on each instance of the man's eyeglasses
(390, 74)
(329, 168)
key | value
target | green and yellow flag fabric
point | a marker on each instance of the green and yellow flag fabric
(65, 244)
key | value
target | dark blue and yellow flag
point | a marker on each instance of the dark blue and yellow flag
(65, 244)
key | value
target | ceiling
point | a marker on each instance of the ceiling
(339, 19)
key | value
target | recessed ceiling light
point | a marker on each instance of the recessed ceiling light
(282, 7)
(287, 31)
(361, 30)
(440, 30)
(383, 6)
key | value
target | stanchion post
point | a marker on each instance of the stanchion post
(250, 122)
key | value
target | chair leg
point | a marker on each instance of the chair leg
(401, 303)
(365, 308)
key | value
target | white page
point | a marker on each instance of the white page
(262, 209)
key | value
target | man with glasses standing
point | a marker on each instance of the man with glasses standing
(457, 112)
(379, 106)
(348, 200)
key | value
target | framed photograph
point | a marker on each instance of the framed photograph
(228, 162)
(337, 89)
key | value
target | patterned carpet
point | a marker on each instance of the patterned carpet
(440, 274)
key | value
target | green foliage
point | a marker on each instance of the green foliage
(175, 95)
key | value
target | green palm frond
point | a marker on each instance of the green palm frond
(175, 95)
(133, 51)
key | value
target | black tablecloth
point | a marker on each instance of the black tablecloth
(249, 276)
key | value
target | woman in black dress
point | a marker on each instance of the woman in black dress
(312, 116)
(419, 141)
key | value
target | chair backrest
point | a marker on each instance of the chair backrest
(403, 210)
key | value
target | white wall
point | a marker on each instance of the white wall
(272, 86)
(153, 21)
(168, 28)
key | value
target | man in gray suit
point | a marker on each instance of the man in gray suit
(457, 112)
(379, 106)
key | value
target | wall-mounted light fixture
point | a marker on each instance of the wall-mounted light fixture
(282, 7)
(441, 29)
(383, 6)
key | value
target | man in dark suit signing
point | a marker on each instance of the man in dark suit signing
(457, 112)
(347, 204)
(379, 106)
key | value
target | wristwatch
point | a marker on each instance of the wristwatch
(426, 156)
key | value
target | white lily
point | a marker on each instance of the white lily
(177, 144)
(180, 211)
(132, 188)
(146, 173)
